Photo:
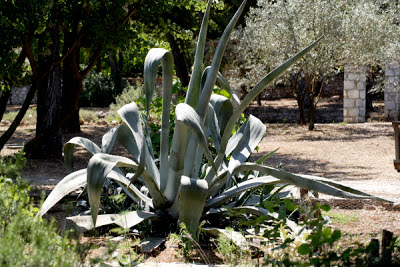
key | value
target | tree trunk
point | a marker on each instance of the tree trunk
(71, 90)
(300, 91)
(4, 97)
(313, 108)
(48, 140)
(181, 67)
(115, 72)
(315, 94)
(10, 131)
(302, 111)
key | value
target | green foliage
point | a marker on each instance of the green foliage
(26, 240)
(129, 95)
(315, 243)
(11, 166)
(355, 32)
(98, 90)
(233, 254)
(87, 115)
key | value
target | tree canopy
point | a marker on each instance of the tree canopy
(354, 32)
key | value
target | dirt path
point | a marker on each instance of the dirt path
(358, 155)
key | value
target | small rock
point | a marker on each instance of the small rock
(100, 114)
(102, 123)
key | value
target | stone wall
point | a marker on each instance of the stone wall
(391, 95)
(354, 94)
(18, 95)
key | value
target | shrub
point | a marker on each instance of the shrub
(98, 90)
(129, 95)
(26, 240)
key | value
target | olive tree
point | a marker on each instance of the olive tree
(356, 32)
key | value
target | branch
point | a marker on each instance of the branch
(92, 62)
(29, 54)
(132, 13)
(74, 45)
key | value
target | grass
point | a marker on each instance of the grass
(341, 218)
(87, 115)
(30, 117)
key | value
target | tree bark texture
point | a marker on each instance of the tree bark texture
(181, 66)
(71, 91)
(48, 140)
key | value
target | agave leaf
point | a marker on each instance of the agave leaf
(193, 195)
(256, 211)
(149, 244)
(260, 86)
(216, 63)
(223, 109)
(108, 140)
(187, 115)
(212, 129)
(176, 161)
(133, 218)
(254, 132)
(127, 220)
(312, 184)
(67, 185)
(193, 93)
(230, 193)
(209, 86)
(152, 61)
(130, 189)
(221, 82)
(123, 134)
(131, 116)
(213, 126)
(85, 223)
(69, 149)
(100, 165)
(336, 185)
(179, 141)
(237, 238)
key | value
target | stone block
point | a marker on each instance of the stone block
(349, 103)
(352, 77)
(362, 112)
(390, 105)
(363, 94)
(361, 85)
(348, 85)
(359, 102)
(389, 72)
(355, 94)
(353, 112)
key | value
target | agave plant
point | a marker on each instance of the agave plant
(187, 181)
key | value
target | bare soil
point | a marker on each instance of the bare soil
(357, 155)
